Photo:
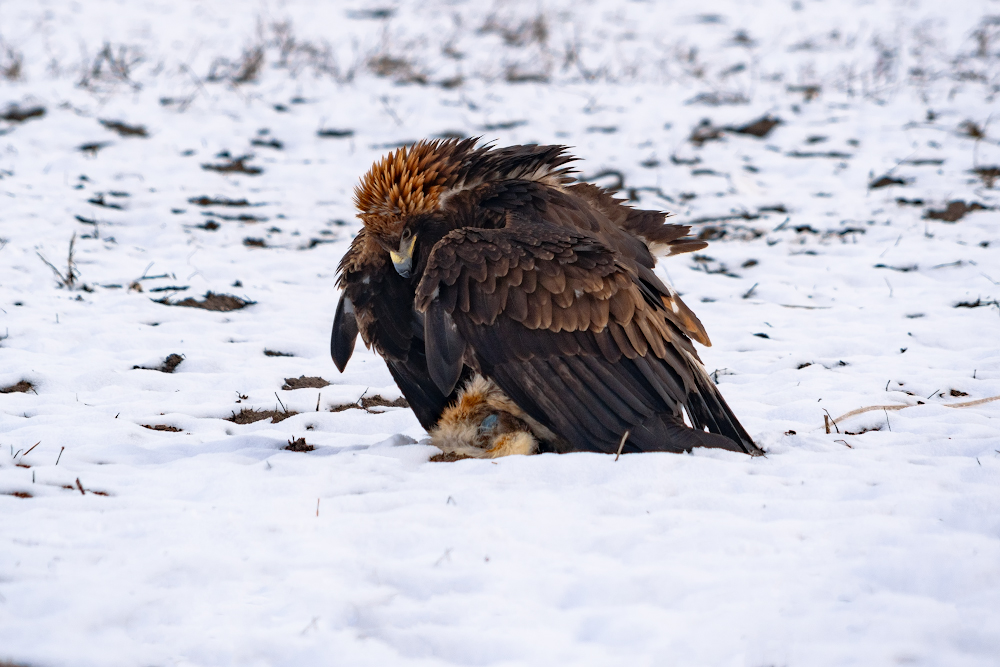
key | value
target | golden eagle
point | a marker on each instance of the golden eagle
(492, 262)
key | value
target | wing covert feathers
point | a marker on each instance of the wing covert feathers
(575, 338)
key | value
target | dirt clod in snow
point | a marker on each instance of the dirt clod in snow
(23, 387)
(169, 364)
(954, 212)
(124, 129)
(218, 302)
(249, 416)
(303, 382)
(299, 445)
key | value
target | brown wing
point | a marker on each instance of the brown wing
(377, 303)
(572, 334)
(630, 232)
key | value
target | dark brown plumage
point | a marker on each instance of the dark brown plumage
(492, 261)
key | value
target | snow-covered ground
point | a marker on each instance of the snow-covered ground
(209, 544)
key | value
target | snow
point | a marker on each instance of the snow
(875, 545)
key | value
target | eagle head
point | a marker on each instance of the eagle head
(404, 187)
(415, 182)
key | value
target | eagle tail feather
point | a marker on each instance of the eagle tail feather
(707, 408)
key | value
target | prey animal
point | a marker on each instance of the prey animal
(490, 265)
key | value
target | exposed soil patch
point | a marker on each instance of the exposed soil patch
(169, 365)
(902, 201)
(124, 129)
(15, 114)
(252, 242)
(988, 174)
(758, 128)
(16, 494)
(303, 382)
(505, 125)
(978, 303)
(829, 154)
(268, 143)
(222, 303)
(219, 201)
(448, 457)
(331, 133)
(731, 232)
(515, 74)
(378, 13)
(972, 130)
(956, 392)
(236, 165)
(316, 242)
(705, 131)
(161, 427)
(368, 402)
(398, 68)
(249, 416)
(98, 200)
(21, 387)
(863, 430)
(885, 182)
(954, 212)
(809, 93)
(93, 147)
(718, 99)
(275, 353)
(242, 217)
(299, 445)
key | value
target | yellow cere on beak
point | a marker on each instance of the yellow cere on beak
(403, 260)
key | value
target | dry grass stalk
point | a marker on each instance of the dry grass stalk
(67, 280)
(11, 63)
(113, 66)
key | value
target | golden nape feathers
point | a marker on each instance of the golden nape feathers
(409, 180)
(419, 178)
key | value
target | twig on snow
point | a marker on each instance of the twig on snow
(621, 445)
(886, 408)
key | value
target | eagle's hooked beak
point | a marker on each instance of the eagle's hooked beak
(403, 260)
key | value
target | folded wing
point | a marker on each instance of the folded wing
(574, 334)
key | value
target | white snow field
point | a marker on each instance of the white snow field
(854, 262)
